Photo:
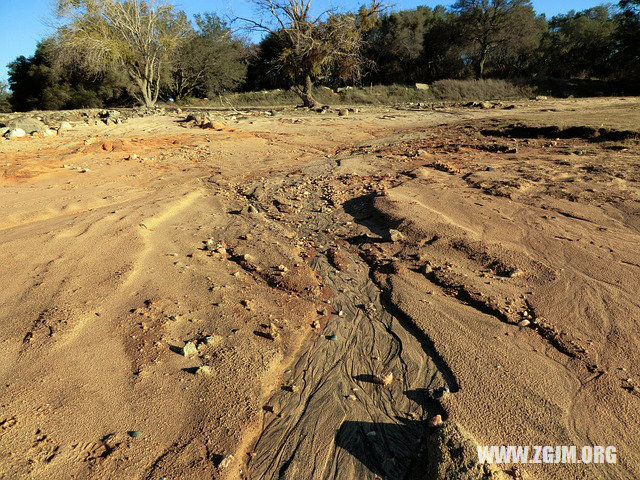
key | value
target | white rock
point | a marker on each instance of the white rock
(15, 133)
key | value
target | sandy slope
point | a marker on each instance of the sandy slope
(270, 239)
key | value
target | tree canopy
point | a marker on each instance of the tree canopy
(136, 35)
(210, 62)
(110, 52)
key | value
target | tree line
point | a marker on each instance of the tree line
(121, 52)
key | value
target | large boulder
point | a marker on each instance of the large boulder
(28, 124)
(64, 126)
(111, 117)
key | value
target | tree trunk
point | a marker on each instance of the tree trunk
(146, 87)
(484, 52)
(146, 94)
(306, 93)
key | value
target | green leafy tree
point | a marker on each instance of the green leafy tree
(581, 44)
(415, 46)
(136, 36)
(209, 63)
(39, 82)
(627, 40)
(493, 25)
(263, 66)
(396, 44)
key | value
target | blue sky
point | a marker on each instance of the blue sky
(24, 22)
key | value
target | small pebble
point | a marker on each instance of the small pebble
(189, 349)
(436, 421)
(226, 461)
(384, 379)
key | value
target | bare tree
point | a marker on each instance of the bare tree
(491, 23)
(135, 35)
(311, 46)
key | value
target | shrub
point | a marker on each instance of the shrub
(449, 90)
(478, 90)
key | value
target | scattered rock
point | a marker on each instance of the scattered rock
(343, 112)
(252, 209)
(212, 340)
(15, 133)
(110, 116)
(395, 235)
(435, 421)
(486, 105)
(27, 124)
(225, 461)
(203, 370)
(273, 331)
(134, 434)
(213, 125)
(64, 126)
(441, 392)
(541, 97)
(189, 349)
(385, 379)
(422, 86)
(49, 133)
(333, 336)
(524, 323)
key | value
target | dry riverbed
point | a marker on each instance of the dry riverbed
(301, 295)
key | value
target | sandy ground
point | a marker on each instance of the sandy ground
(493, 254)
